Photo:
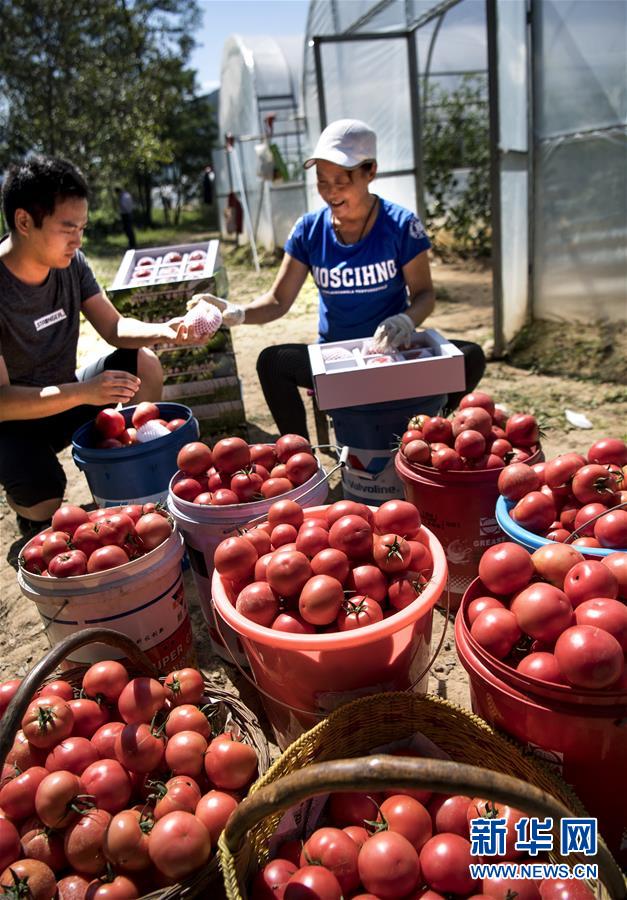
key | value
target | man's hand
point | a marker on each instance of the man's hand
(110, 386)
(393, 333)
(231, 313)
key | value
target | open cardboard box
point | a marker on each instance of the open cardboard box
(432, 366)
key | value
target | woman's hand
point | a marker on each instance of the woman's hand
(393, 333)
(177, 332)
(110, 386)
(231, 313)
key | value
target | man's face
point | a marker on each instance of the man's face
(60, 235)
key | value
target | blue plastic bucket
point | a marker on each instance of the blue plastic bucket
(372, 433)
(139, 473)
(532, 541)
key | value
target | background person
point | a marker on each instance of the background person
(368, 257)
(125, 205)
(45, 283)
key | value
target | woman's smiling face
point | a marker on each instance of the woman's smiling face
(344, 190)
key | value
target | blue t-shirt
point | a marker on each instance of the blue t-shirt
(359, 284)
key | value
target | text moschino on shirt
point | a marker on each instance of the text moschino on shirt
(360, 276)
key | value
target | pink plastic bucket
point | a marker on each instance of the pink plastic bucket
(304, 677)
(459, 507)
(582, 733)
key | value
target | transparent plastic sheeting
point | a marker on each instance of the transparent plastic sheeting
(580, 258)
(260, 75)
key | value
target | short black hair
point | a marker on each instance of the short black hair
(37, 183)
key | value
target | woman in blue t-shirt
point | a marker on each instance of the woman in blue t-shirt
(369, 260)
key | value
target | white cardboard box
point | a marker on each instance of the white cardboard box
(432, 366)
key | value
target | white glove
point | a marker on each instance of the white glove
(393, 332)
(231, 313)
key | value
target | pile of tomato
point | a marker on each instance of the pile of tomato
(80, 543)
(398, 844)
(554, 615)
(236, 472)
(117, 789)
(344, 568)
(112, 431)
(573, 496)
(478, 436)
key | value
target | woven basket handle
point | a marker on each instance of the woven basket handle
(50, 662)
(373, 773)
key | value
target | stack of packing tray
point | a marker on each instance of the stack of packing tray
(203, 378)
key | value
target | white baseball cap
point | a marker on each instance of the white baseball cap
(347, 143)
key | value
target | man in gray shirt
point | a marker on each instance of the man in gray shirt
(45, 283)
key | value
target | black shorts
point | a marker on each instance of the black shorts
(29, 469)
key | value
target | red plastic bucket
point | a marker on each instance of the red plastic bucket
(303, 677)
(582, 733)
(459, 507)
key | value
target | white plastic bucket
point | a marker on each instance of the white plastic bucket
(143, 599)
(204, 527)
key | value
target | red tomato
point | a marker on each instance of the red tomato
(263, 454)
(56, 800)
(391, 553)
(505, 888)
(446, 460)
(274, 487)
(8, 690)
(472, 418)
(285, 512)
(110, 423)
(258, 602)
(10, 848)
(541, 665)
(357, 612)
(235, 558)
(83, 844)
(153, 529)
(187, 489)
(311, 541)
(522, 430)
(230, 764)
(470, 444)
(588, 580)
(184, 686)
(292, 623)
(516, 480)
(300, 467)
(57, 688)
(87, 538)
(287, 572)
(47, 721)
(535, 512)
(417, 452)
(184, 753)
(73, 754)
(320, 599)
(481, 808)
(67, 518)
(39, 880)
(610, 615)
(194, 458)
(314, 882)
(270, 882)
(290, 444)
(399, 517)
(542, 611)
(17, 796)
(333, 849)
(104, 739)
(479, 604)
(420, 559)
(55, 542)
(141, 699)
(179, 794)
(246, 485)
(39, 842)
(107, 557)
(334, 563)
(389, 866)
(497, 631)
(617, 564)
(32, 559)
(405, 588)
(437, 429)
(145, 412)
(106, 680)
(553, 562)
(138, 748)
(353, 536)
(179, 844)
(445, 861)
(449, 814)
(213, 809)
(408, 817)
(589, 657)
(556, 889)
(611, 530)
(118, 887)
(224, 497)
(109, 783)
(72, 887)
(368, 580)
(342, 508)
(283, 534)
(231, 454)
(89, 716)
(354, 807)
(68, 565)
(506, 568)
(259, 539)
(357, 834)
(125, 841)
(23, 754)
(187, 718)
(116, 528)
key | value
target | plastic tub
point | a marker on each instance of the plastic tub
(144, 599)
(204, 527)
(371, 432)
(532, 541)
(459, 508)
(138, 473)
(303, 677)
(581, 733)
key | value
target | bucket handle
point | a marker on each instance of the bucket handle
(313, 712)
(373, 773)
(53, 658)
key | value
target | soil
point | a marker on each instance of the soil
(464, 311)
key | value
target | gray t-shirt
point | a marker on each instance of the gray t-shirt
(39, 324)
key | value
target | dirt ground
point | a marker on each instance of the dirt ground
(464, 311)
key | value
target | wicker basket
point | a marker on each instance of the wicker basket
(226, 705)
(487, 760)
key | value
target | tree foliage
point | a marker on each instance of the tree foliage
(101, 82)
(456, 153)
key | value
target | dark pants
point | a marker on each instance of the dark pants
(127, 225)
(285, 368)
(29, 469)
